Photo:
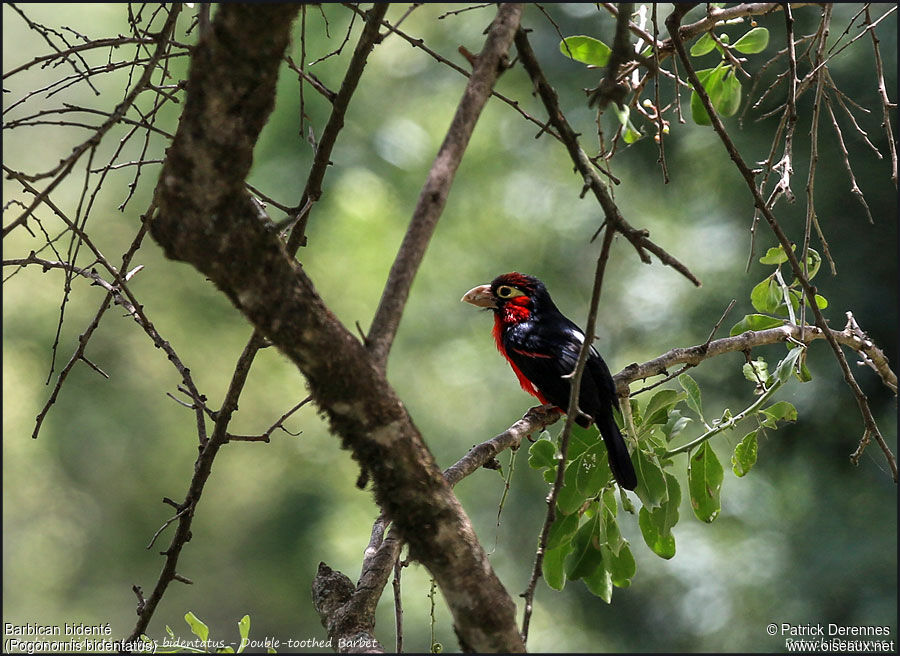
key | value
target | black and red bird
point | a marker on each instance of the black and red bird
(542, 346)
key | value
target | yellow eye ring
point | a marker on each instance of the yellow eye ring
(505, 291)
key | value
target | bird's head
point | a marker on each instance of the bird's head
(513, 296)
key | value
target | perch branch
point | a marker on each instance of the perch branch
(870, 426)
(207, 219)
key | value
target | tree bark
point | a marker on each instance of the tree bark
(207, 219)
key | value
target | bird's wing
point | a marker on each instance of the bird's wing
(547, 355)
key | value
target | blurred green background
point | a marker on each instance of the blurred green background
(804, 538)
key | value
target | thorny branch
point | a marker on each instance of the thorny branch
(640, 239)
(870, 426)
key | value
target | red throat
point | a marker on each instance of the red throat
(514, 314)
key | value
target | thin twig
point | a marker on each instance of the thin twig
(313, 189)
(398, 607)
(886, 104)
(571, 412)
(61, 171)
(870, 426)
(638, 238)
(854, 187)
(661, 127)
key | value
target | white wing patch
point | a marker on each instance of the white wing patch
(577, 334)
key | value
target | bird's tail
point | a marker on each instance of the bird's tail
(619, 460)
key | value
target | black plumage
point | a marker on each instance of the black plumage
(542, 346)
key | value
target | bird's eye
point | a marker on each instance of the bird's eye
(505, 291)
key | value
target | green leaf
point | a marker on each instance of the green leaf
(629, 132)
(755, 322)
(702, 45)
(753, 41)
(585, 49)
(581, 440)
(821, 302)
(542, 454)
(705, 477)
(608, 501)
(804, 374)
(563, 529)
(663, 545)
(724, 91)
(786, 367)
(622, 113)
(813, 262)
(658, 408)
(198, 628)
(730, 101)
(593, 472)
(611, 536)
(675, 424)
(756, 371)
(651, 487)
(722, 94)
(620, 565)
(690, 386)
(744, 456)
(585, 557)
(627, 505)
(244, 630)
(781, 411)
(698, 111)
(656, 525)
(775, 255)
(600, 583)
(767, 295)
(570, 499)
(554, 572)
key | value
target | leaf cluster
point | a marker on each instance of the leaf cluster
(585, 541)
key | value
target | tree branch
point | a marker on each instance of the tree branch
(490, 63)
(640, 239)
(206, 218)
(61, 170)
(870, 427)
(571, 412)
(356, 615)
(339, 104)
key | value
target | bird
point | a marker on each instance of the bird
(542, 347)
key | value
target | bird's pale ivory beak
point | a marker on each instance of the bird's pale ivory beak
(480, 296)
